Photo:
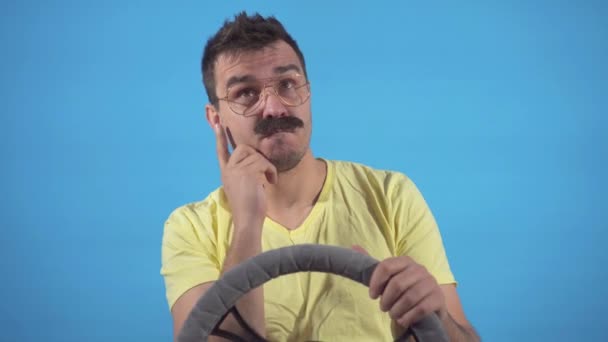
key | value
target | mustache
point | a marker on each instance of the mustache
(269, 126)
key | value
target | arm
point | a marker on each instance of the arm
(245, 173)
(409, 284)
(408, 292)
(182, 307)
(455, 322)
(246, 243)
(251, 306)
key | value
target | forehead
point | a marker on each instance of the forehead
(263, 63)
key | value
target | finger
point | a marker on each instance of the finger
(422, 309)
(397, 286)
(270, 171)
(247, 156)
(223, 155)
(383, 272)
(359, 249)
(242, 153)
(407, 300)
(246, 160)
(265, 167)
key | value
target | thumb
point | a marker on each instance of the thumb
(359, 249)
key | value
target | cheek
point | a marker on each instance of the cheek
(304, 114)
(308, 112)
(241, 130)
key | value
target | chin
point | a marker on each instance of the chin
(284, 156)
(286, 162)
(284, 150)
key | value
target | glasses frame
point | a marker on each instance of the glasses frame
(267, 82)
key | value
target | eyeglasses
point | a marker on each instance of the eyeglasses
(244, 98)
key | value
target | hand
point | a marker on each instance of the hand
(245, 173)
(407, 291)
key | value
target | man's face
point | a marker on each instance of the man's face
(279, 132)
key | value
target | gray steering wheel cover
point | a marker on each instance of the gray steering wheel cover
(225, 292)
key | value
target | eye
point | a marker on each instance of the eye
(287, 83)
(245, 93)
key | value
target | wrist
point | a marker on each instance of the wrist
(247, 234)
(248, 220)
(248, 226)
(443, 313)
(246, 242)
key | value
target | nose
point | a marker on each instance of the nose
(272, 105)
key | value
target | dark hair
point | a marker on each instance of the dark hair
(244, 33)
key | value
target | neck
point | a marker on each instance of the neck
(298, 187)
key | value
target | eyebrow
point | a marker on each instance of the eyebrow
(239, 79)
(246, 78)
(285, 68)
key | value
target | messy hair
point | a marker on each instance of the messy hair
(244, 33)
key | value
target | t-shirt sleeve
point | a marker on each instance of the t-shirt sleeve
(189, 253)
(417, 233)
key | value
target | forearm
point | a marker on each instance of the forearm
(457, 332)
(246, 243)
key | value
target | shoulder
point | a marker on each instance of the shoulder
(199, 214)
(365, 175)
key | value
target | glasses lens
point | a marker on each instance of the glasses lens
(292, 89)
(243, 96)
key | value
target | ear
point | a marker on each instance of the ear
(213, 117)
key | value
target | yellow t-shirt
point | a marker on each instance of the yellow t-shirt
(381, 211)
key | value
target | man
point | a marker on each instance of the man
(275, 193)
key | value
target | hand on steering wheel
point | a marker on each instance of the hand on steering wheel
(220, 299)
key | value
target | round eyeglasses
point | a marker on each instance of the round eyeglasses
(245, 98)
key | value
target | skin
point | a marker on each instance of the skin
(255, 189)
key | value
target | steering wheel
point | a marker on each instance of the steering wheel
(220, 299)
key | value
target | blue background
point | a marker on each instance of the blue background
(497, 110)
